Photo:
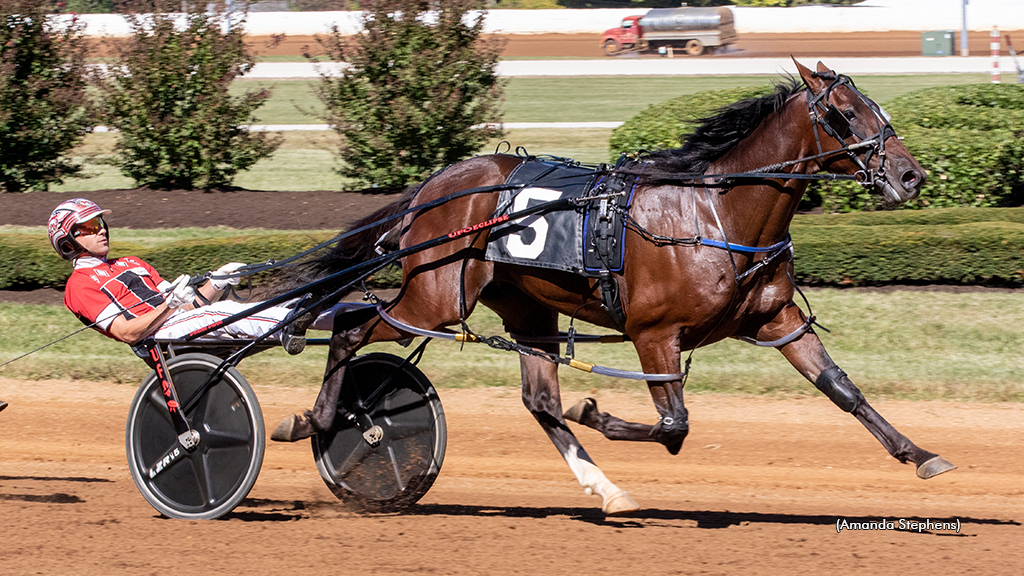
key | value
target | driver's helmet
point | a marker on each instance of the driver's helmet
(63, 220)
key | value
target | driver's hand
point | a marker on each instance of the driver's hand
(225, 275)
(181, 293)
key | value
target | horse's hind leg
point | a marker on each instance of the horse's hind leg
(673, 424)
(541, 395)
(348, 335)
(807, 354)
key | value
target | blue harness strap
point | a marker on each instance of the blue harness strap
(742, 248)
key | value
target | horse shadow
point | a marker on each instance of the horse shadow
(53, 498)
(264, 510)
(705, 519)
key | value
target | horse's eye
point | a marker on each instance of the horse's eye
(849, 114)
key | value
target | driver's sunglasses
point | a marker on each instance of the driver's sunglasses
(89, 227)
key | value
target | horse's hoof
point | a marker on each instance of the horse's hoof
(933, 467)
(577, 412)
(293, 429)
(2, 405)
(619, 504)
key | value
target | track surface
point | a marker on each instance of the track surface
(896, 43)
(757, 489)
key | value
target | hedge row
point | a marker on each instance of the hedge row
(965, 168)
(988, 253)
(946, 246)
(969, 138)
(28, 261)
(955, 246)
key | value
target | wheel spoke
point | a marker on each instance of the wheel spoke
(147, 465)
(219, 439)
(203, 480)
(399, 404)
(197, 417)
(406, 428)
(394, 466)
(359, 453)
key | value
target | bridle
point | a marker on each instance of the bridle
(837, 125)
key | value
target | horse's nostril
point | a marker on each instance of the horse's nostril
(910, 179)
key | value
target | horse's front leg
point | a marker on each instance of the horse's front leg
(807, 354)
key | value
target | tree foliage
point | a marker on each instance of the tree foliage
(43, 106)
(167, 94)
(419, 92)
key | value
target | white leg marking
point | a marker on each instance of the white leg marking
(614, 499)
(590, 476)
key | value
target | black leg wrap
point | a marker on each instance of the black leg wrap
(833, 383)
(671, 431)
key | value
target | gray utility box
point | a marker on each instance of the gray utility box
(938, 43)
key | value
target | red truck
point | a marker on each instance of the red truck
(690, 29)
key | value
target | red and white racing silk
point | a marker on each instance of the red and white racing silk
(99, 290)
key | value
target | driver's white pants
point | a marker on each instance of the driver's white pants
(185, 322)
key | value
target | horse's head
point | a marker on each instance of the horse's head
(848, 121)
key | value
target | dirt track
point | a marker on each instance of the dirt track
(757, 489)
(897, 43)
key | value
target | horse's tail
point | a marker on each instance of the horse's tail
(348, 252)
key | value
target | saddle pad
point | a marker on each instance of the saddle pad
(586, 240)
(550, 239)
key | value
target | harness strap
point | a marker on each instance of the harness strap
(500, 343)
(741, 248)
(785, 339)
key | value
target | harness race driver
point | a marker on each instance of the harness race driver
(126, 299)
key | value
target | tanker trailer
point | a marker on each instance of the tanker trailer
(695, 30)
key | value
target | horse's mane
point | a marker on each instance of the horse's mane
(717, 134)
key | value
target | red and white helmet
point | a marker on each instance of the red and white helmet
(64, 218)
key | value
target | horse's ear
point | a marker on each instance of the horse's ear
(815, 84)
(822, 69)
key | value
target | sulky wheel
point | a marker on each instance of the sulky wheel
(388, 439)
(211, 480)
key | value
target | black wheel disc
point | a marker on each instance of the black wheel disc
(398, 470)
(210, 481)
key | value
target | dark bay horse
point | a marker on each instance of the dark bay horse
(675, 296)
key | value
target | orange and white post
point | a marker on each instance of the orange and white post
(994, 45)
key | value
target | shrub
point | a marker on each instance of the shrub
(43, 109)
(968, 138)
(89, 6)
(664, 125)
(965, 168)
(987, 253)
(419, 93)
(167, 94)
(963, 107)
